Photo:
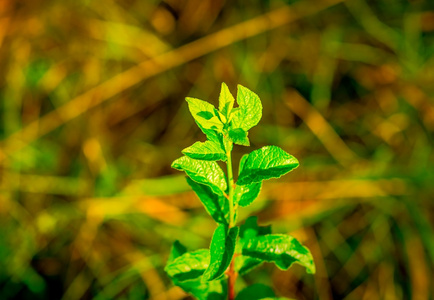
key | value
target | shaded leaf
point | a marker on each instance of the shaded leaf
(244, 264)
(244, 195)
(226, 101)
(215, 205)
(222, 249)
(204, 172)
(212, 135)
(283, 250)
(265, 163)
(239, 137)
(255, 291)
(209, 290)
(177, 250)
(208, 150)
(250, 229)
(189, 265)
(250, 109)
(204, 113)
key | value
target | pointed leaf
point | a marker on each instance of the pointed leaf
(177, 250)
(222, 249)
(244, 195)
(215, 205)
(255, 291)
(250, 109)
(283, 250)
(205, 114)
(188, 266)
(265, 163)
(226, 101)
(204, 172)
(208, 150)
(239, 137)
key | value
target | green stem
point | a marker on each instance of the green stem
(231, 191)
(232, 275)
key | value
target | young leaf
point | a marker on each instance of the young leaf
(250, 109)
(249, 230)
(265, 163)
(255, 291)
(244, 195)
(189, 265)
(226, 101)
(283, 250)
(215, 205)
(177, 250)
(204, 172)
(212, 135)
(222, 249)
(239, 137)
(208, 150)
(205, 114)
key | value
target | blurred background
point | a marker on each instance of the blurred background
(92, 114)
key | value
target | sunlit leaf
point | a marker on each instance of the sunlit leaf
(207, 150)
(205, 114)
(283, 250)
(189, 265)
(244, 195)
(216, 205)
(204, 172)
(250, 109)
(226, 101)
(265, 163)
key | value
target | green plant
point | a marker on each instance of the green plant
(211, 274)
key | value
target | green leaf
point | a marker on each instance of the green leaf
(177, 250)
(209, 290)
(239, 137)
(189, 265)
(208, 150)
(242, 162)
(255, 291)
(265, 163)
(205, 114)
(211, 134)
(244, 195)
(244, 264)
(222, 249)
(204, 172)
(215, 205)
(249, 230)
(250, 109)
(283, 250)
(226, 101)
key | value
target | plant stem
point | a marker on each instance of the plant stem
(231, 191)
(232, 275)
